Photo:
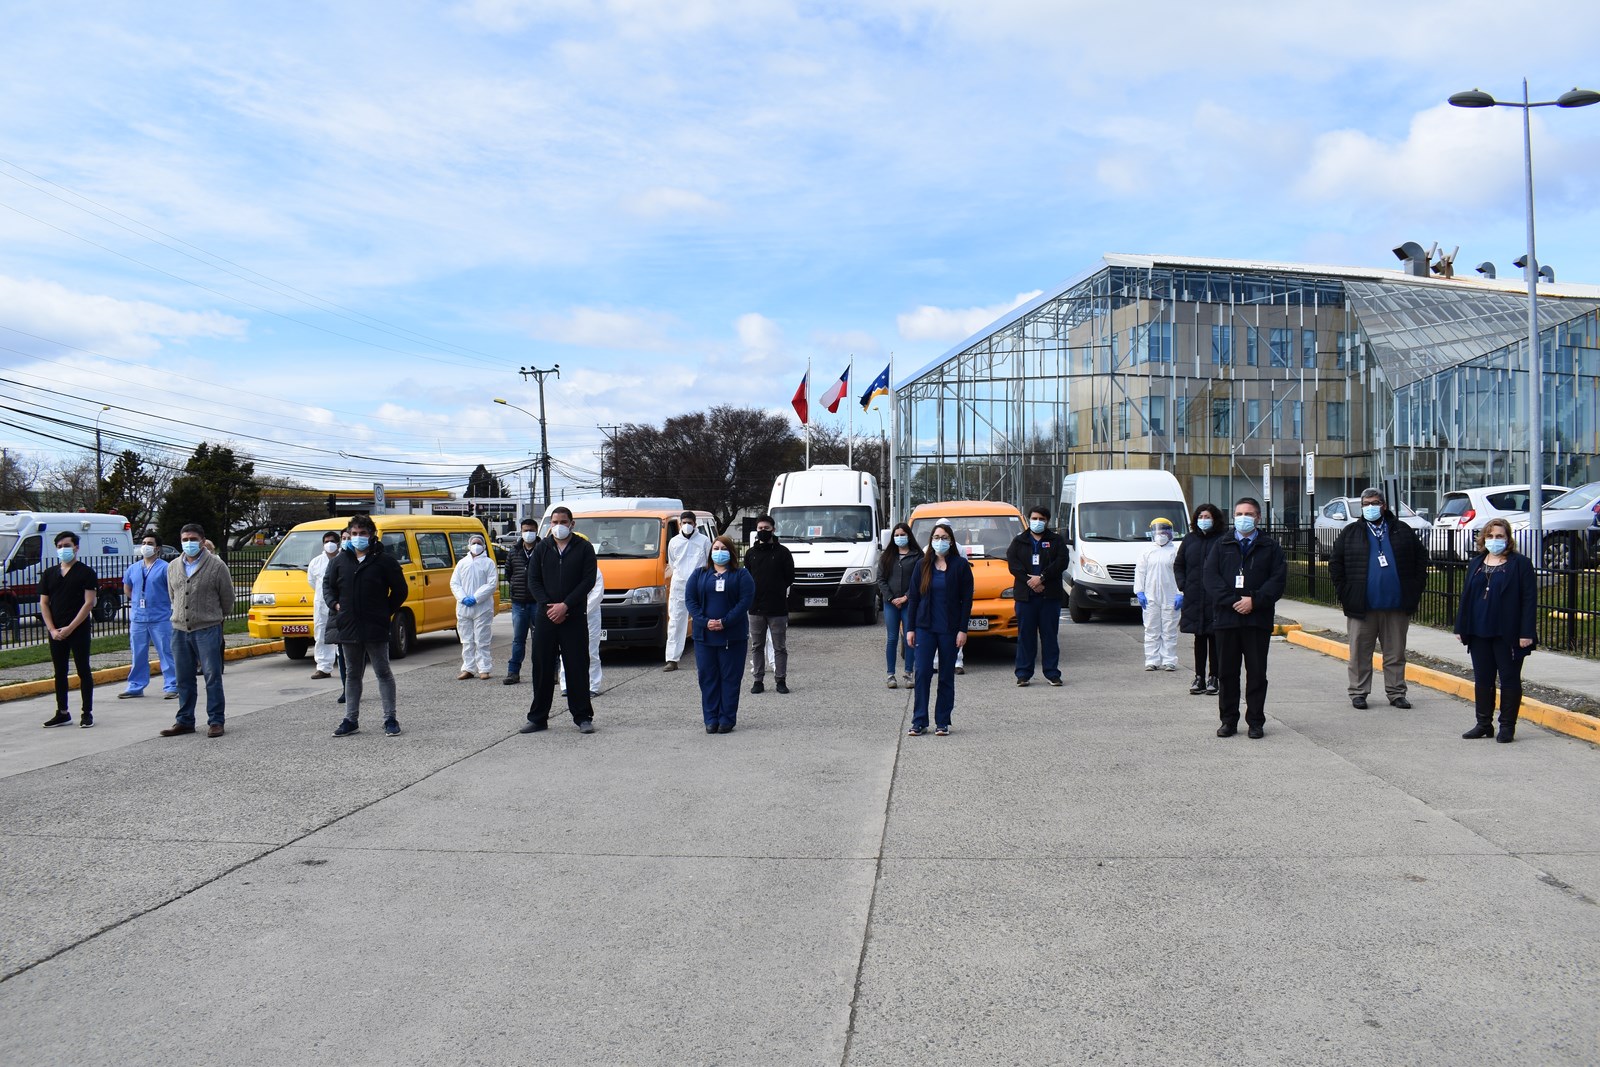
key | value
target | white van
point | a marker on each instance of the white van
(828, 517)
(105, 543)
(1105, 520)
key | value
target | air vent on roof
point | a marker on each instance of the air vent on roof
(1415, 257)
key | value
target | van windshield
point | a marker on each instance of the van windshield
(823, 523)
(977, 536)
(1129, 520)
(7, 543)
(295, 551)
(622, 537)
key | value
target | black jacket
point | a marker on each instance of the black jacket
(517, 561)
(1052, 560)
(1189, 570)
(894, 573)
(1518, 616)
(363, 594)
(772, 566)
(1265, 572)
(562, 577)
(1347, 565)
(957, 591)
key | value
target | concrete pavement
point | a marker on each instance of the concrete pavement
(1082, 875)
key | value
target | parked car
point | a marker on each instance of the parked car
(1341, 511)
(1464, 512)
(1571, 530)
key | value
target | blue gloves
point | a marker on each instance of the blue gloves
(1178, 603)
(469, 601)
(1143, 603)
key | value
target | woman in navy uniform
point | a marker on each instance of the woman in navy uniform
(1497, 622)
(940, 604)
(719, 599)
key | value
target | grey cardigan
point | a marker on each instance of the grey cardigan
(203, 599)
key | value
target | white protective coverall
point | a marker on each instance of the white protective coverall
(475, 576)
(326, 655)
(591, 608)
(685, 555)
(1153, 577)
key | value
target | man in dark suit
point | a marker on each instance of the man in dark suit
(1245, 577)
(1379, 568)
(560, 575)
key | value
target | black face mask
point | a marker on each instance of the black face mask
(763, 535)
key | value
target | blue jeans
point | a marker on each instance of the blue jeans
(721, 669)
(1038, 624)
(141, 635)
(205, 648)
(521, 622)
(928, 643)
(894, 620)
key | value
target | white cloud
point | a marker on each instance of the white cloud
(664, 202)
(760, 339)
(102, 323)
(588, 327)
(929, 323)
(857, 342)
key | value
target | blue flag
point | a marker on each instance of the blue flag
(879, 387)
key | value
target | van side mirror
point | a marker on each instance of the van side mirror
(884, 537)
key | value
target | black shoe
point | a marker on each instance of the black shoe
(725, 728)
(916, 731)
(1056, 681)
(713, 729)
(1400, 702)
(1022, 683)
(1483, 729)
(60, 718)
(1256, 733)
(86, 720)
(586, 726)
(757, 687)
(340, 700)
(1211, 686)
(1507, 734)
(1197, 687)
(345, 729)
(391, 728)
(533, 727)
(511, 679)
(1359, 703)
(781, 687)
(1227, 729)
(129, 694)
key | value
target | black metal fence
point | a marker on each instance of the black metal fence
(21, 625)
(1569, 596)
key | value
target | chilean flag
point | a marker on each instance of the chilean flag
(836, 392)
(801, 406)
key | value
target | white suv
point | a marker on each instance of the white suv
(1455, 531)
(1571, 530)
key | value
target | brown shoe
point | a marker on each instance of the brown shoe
(214, 730)
(463, 676)
(174, 730)
(485, 674)
(320, 674)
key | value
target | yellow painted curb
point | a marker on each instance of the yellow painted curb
(1550, 716)
(38, 687)
(1284, 629)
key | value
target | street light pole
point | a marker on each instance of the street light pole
(1476, 98)
(540, 374)
(98, 463)
(502, 401)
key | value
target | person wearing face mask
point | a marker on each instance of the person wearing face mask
(687, 552)
(1379, 568)
(202, 594)
(1036, 558)
(364, 588)
(324, 653)
(1245, 577)
(1498, 622)
(593, 607)
(894, 587)
(719, 599)
(771, 564)
(144, 590)
(473, 583)
(938, 608)
(560, 577)
(522, 606)
(67, 594)
(1157, 590)
(1194, 607)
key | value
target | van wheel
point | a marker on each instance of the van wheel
(402, 636)
(8, 617)
(107, 606)
(1076, 611)
(869, 614)
(295, 647)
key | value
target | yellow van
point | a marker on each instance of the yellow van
(427, 547)
(984, 530)
(630, 546)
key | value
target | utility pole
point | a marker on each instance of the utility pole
(540, 374)
(99, 474)
(611, 439)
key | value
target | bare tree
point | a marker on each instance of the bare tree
(69, 484)
(19, 478)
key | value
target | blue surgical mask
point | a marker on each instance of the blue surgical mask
(940, 545)
(1245, 524)
(192, 549)
(359, 543)
(1495, 545)
(901, 540)
(1371, 512)
(1205, 524)
(345, 543)
(721, 556)
(66, 553)
(1036, 525)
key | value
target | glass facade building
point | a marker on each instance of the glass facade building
(1217, 370)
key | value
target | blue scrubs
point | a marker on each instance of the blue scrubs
(149, 623)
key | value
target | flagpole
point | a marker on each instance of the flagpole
(806, 427)
(894, 436)
(850, 444)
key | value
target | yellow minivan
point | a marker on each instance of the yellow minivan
(427, 548)
(984, 530)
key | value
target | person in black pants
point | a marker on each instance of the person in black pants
(66, 606)
(1036, 559)
(1245, 578)
(1194, 607)
(560, 575)
(940, 604)
(1497, 622)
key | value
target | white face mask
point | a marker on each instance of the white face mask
(475, 548)
(561, 531)
(147, 551)
(530, 536)
(330, 547)
(1163, 538)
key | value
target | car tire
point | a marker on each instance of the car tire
(1076, 611)
(1561, 552)
(296, 647)
(402, 635)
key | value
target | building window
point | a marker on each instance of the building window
(1252, 418)
(1252, 346)
(1308, 348)
(1337, 427)
(1277, 419)
(1114, 336)
(1136, 353)
(1153, 409)
(1158, 341)
(1180, 418)
(1222, 346)
(1340, 340)
(1124, 420)
(1279, 343)
(1295, 414)
(1221, 419)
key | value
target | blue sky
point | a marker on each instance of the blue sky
(344, 226)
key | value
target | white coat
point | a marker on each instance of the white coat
(596, 596)
(1153, 577)
(685, 555)
(475, 576)
(324, 652)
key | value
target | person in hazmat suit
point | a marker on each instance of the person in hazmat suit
(473, 584)
(592, 605)
(688, 551)
(324, 652)
(1159, 597)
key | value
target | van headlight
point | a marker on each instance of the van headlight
(263, 600)
(1092, 569)
(858, 576)
(646, 594)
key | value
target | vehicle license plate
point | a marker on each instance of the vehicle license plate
(977, 624)
(816, 601)
(602, 635)
(1133, 602)
(297, 631)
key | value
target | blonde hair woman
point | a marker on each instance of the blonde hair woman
(1497, 621)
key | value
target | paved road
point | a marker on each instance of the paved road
(1084, 875)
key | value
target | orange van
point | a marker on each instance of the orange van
(984, 530)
